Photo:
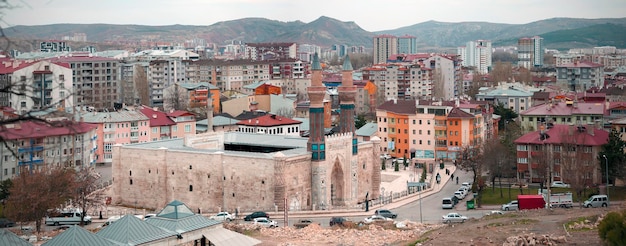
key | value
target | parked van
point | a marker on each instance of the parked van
(597, 201)
(67, 217)
(447, 203)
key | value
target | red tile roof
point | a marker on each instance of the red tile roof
(179, 113)
(38, 129)
(560, 134)
(459, 113)
(157, 118)
(268, 120)
(406, 107)
(561, 108)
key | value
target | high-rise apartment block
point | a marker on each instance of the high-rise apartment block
(476, 54)
(384, 46)
(96, 80)
(270, 51)
(530, 52)
(407, 44)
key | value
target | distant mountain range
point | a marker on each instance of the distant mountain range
(561, 33)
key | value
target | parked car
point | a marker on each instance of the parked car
(559, 184)
(223, 216)
(459, 195)
(304, 223)
(6, 223)
(447, 203)
(596, 201)
(265, 222)
(149, 216)
(386, 213)
(492, 212)
(464, 189)
(385, 156)
(453, 217)
(257, 214)
(339, 221)
(512, 205)
(376, 218)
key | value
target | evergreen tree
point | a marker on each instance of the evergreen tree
(615, 157)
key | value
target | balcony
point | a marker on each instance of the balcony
(35, 148)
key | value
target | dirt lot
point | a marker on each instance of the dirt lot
(539, 227)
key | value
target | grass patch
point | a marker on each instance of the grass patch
(491, 196)
(525, 221)
(419, 241)
(495, 224)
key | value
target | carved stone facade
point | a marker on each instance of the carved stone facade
(149, 175)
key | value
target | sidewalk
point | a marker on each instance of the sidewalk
(390, 181)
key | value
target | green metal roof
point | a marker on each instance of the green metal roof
(8, 238)
(192, 86)
(130, 230)
(78, 236)
(182, 225)
(368, 129)
(175, 210)
(347, 65)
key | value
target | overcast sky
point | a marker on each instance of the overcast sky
(371, 15)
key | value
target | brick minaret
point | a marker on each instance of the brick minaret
(347, 93)
(316, 92)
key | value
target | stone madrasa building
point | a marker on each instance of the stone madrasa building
(245, 171)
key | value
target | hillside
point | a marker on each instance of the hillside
(326, 31)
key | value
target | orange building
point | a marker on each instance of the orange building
(199, 94)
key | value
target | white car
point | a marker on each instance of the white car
(385, 156)
(223, 216)
(265, 222)
(559, 184)
(510, 206)
(376, 218)
(453, 217)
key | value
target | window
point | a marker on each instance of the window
(522, 160)
(587, 149)
(556, 149)
(522, 148)
(174, 128)
(62, 77)
(155, 129)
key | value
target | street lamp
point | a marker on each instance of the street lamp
(606, 165)
(382, 192)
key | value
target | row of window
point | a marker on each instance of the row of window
(555, 148)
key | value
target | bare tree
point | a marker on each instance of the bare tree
(438, 84)
(502, 72)
(500, 161)
(141, 85)
(472, 159)
(36, 191)
(85, 191)
(175, 98)
(286, 112)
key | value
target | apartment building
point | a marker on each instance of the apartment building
(96, 80)
(227, 75)
(54, 46)
(427, 129)
(407, 44)
(117, 127)
(559, 111)
(270, 51)
(288, 69)
(476, 54)
(270, 124)
(175, 124)
(45, 84)
(39, 144)
(515, 96)
(384, 46)
(134, 83)
(202, 94)
(530, 52)
(446, 76)
(567, 153)
(579, 76)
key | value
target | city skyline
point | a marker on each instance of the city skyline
(369, 15)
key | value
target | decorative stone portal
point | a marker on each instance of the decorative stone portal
(337, 185)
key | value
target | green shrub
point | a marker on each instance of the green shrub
(612, 228)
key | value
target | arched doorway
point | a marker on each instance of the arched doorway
(337, 185)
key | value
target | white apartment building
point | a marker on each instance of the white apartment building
(46, 85)
(476, 54)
